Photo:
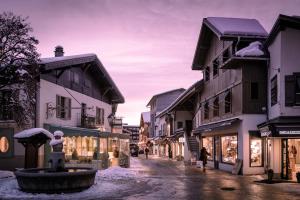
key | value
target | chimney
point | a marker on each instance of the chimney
(59, 51)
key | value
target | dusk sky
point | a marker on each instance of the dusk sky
(147, 46)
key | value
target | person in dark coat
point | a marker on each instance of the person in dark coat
(146, 152)
(203, 157)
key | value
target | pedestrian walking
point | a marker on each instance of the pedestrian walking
(146, 152)
(203, 157)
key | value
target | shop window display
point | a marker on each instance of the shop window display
(207, 142)
(229, 149)
(4, 145)
(79, 148)
(256, 159)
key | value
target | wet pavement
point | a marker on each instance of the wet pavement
(165, 179)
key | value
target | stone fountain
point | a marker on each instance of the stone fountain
(57, 178)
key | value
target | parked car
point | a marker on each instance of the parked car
(134, 150)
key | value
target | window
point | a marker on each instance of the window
(226, 54)
(254, 90)
(63, 107)
(216, 107)
(179, 125)
(228, 102)
(292, 90)
(215, 67)
(99, 116)
(207, 142)
(297, 93)
(87, 83)
(206, 111)
(256, 154)
(75, 77)
(207, 73)
(6, 112)
(274, 90)
(4, 144)
(229, 149)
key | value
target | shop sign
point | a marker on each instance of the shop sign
(181, 139)
(265, 131)
(289, 132)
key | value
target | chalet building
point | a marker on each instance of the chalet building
(179, 117)
(133, 132)
(77, 96)
(281, 130)
(157, 132)
(144, 130)
(232, 101)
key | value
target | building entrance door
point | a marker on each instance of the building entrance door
(216, 151)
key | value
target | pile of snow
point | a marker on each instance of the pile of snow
(117, 172)
(108, 183)
(33, 131)
(59, 140)
(6, 174)
(252, 50)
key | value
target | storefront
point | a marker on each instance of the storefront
(90, 147)
(282, 147)
(231, 143)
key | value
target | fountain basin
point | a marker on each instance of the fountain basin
(42, 180)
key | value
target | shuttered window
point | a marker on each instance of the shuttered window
(206, 110)
(100, 116)
(228, 102)
(216, 107)
(290, 83)
(274, 90)
(207, 73)
(63, 107)
(215, 67)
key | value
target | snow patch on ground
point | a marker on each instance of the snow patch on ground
(107, 183)
(6, 174)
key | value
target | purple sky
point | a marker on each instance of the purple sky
(147, 46)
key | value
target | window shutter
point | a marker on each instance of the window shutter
(58, 108)
(102, 116)
(69, 108)
(289, 90)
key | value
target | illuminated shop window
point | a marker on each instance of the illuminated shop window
(256, 159)
(229, 149)
(207, 142)
(4, 145)
(80, 148)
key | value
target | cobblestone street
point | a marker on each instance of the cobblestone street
(172, 180)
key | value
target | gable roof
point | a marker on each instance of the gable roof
(225, 29)
(52, 63)
(281, 23)
(146, 117)
(183, 97)
(164, 93)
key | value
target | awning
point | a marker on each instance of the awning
(76, 131)
(235, 61)
(215, 126)
(281, 127)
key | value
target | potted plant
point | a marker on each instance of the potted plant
(270, 175)
(298, 177)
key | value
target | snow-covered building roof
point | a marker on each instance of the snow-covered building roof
(231, 29)
(60, 62)
(182, 98)
(224, 26)
(281, 23)
(180, 90)
(146, 117)
(32, 132)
